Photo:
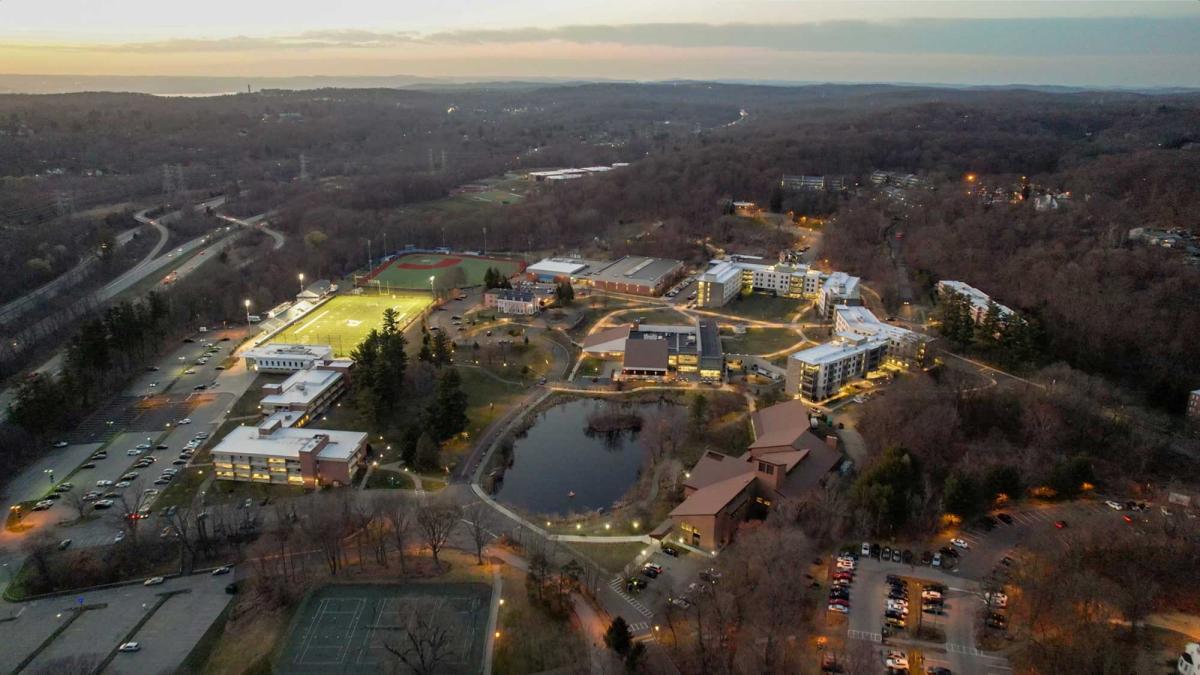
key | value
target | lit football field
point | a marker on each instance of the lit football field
(344, 321)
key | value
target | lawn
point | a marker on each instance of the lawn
(610, 557)
(763, 307)
(661, 317)
(412, 270)
(344, 321)
(386, 479)
(760, 341)
(487, 400)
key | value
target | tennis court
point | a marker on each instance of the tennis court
(344, 321)
(343, 628)
(412, 271)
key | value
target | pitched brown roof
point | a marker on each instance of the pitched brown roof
(819, 460)
(714, 467)
(646, 354)
(710, 500)
(779, 426)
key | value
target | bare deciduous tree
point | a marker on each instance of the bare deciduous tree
(436, 521)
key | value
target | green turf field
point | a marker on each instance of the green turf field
(344, 321)
(412, 271)
(343, 628)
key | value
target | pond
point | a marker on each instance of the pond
(559, 467)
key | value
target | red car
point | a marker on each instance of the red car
(1127, 518)
(1060, 524)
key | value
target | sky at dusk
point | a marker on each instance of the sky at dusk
(1073, 43)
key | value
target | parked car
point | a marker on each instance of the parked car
(960, 543)
(866, 548)
(60, 444)
(1005, 518)
(223, 569)
(129, 647)
(1113, 505)
(153, 581)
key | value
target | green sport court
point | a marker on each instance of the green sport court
(344, 321)
(342, 628)
(412, 271)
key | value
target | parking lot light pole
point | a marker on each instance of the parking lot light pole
(247, 303)
(302, 282)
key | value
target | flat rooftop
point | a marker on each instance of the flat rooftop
(564, 266)
(289, 443)
(283, 350)
(835, 350)
(636, 269)
(302, 387)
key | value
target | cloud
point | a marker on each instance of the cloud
(1004, 37)
(1032, 37)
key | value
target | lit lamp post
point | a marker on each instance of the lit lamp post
(50, 473)
(302, 282)
(431, 291)
(247, 303)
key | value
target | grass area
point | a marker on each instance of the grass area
(519, 361)
(763, 307)
(610, 557)
(386, 479)
(532, 641)
(760, 340)
(243, 645)
(344, 321)
(412, 271)
(590, 366)
(487, 400)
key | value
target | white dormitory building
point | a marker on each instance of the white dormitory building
(307, 393)
(861, 343)
(978, 299)
(285, 358)
(725, 279)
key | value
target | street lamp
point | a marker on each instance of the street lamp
(302, 282)
(50, 473)
(247, 303)
(431, 291)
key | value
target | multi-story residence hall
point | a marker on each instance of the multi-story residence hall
(725, 279)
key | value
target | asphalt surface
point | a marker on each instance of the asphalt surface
(165, 639)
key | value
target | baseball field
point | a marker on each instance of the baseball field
(412, 271)
(344, 321)
(349, 628)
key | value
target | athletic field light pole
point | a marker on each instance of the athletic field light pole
(431, 291)
(302, 282)
(247, 303)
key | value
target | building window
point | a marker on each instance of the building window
(768, 469)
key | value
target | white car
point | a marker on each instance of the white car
(43, 505)
(133, 453)
(122, 484)
(937, 560)
(931, 595)
(866, 548)
(129, 647)
(153, 581)
(60, 444)
(1114, 505)
(960, 543)
(997, 599)
(839, 608)
(103, 504)
(104, 483)
(186, 420)
(190, 371)
(120, 537)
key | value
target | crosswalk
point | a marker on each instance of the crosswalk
(618, 586)
(865, 636)
(639, 627)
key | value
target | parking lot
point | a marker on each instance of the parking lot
(678, 574)
(109, 616)
(151, 417)
(962, 602)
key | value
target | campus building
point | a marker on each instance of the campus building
(837, 289)
(654, 351)
(285, 358)
(978, 299)
(306, 393)
(273, 453)
(631, 274)
(905, 348)
(317, 290)
(512, 301)
(785, 460)
(635, 275)
(817, 373)
(724, 279)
